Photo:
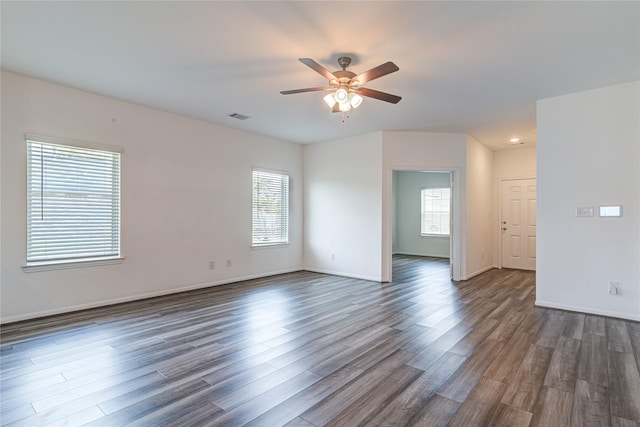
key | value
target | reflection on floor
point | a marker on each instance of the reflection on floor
(308, 349)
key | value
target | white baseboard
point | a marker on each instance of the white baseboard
(343, 274)
(422, 254)
(588, 310)
(478, 272)
(103, 303)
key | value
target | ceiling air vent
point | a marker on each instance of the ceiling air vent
(238, 116)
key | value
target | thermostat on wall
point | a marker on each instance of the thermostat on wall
(610, 210)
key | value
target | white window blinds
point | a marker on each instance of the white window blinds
(436, 203)
(270, 208)
(73, 203)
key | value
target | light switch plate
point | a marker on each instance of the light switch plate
(584, 212)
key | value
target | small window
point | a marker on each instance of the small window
(435, 217)
(73, 203)
(270, 208)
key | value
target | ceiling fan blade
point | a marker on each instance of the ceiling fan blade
(374, 73)
(382, 96)
(318, 68)
(309, 89)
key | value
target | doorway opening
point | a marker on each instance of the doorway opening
(424, 217)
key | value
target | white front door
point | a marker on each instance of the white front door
(518, 224)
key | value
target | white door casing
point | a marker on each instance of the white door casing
(451, 225)
(518, 224)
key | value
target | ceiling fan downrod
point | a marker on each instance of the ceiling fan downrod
(344, 62)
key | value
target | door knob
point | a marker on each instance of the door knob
(504, 228)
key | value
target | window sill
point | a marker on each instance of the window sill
(269, 245)
(60, 265)
(446, 236)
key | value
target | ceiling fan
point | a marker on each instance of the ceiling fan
(346, 86)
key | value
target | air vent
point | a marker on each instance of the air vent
(238, 116)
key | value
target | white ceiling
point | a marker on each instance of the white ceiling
(471, 67)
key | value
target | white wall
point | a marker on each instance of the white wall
(479, 209)
(419, 151)
(588, 156)
(348, 200)
(186, 200)
(342, 199)
(514, 163)
(406, 219)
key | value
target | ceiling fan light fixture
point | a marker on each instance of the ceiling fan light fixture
(355, 100)
(346, 91)
(330, 100)
(341, 95)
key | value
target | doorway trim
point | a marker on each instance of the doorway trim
(387, 219)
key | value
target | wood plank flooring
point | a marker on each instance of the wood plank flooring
(307, 349)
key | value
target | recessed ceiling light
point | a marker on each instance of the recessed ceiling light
(514, 140)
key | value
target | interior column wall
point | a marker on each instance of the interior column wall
(589, 156)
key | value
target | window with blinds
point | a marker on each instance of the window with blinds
(270, 208)
(435, 216)
(73, 203)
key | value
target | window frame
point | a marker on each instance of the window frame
(75, 262)
(422, 212)
(287, 219)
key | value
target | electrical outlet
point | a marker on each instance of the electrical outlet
(212, 265)
(228, 263)
(333, 257)
(613, 287)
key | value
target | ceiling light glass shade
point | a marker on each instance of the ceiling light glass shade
(330, 100)
(344, 106)
(341, 95)
(355, 100)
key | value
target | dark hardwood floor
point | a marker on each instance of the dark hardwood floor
(307, 349)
